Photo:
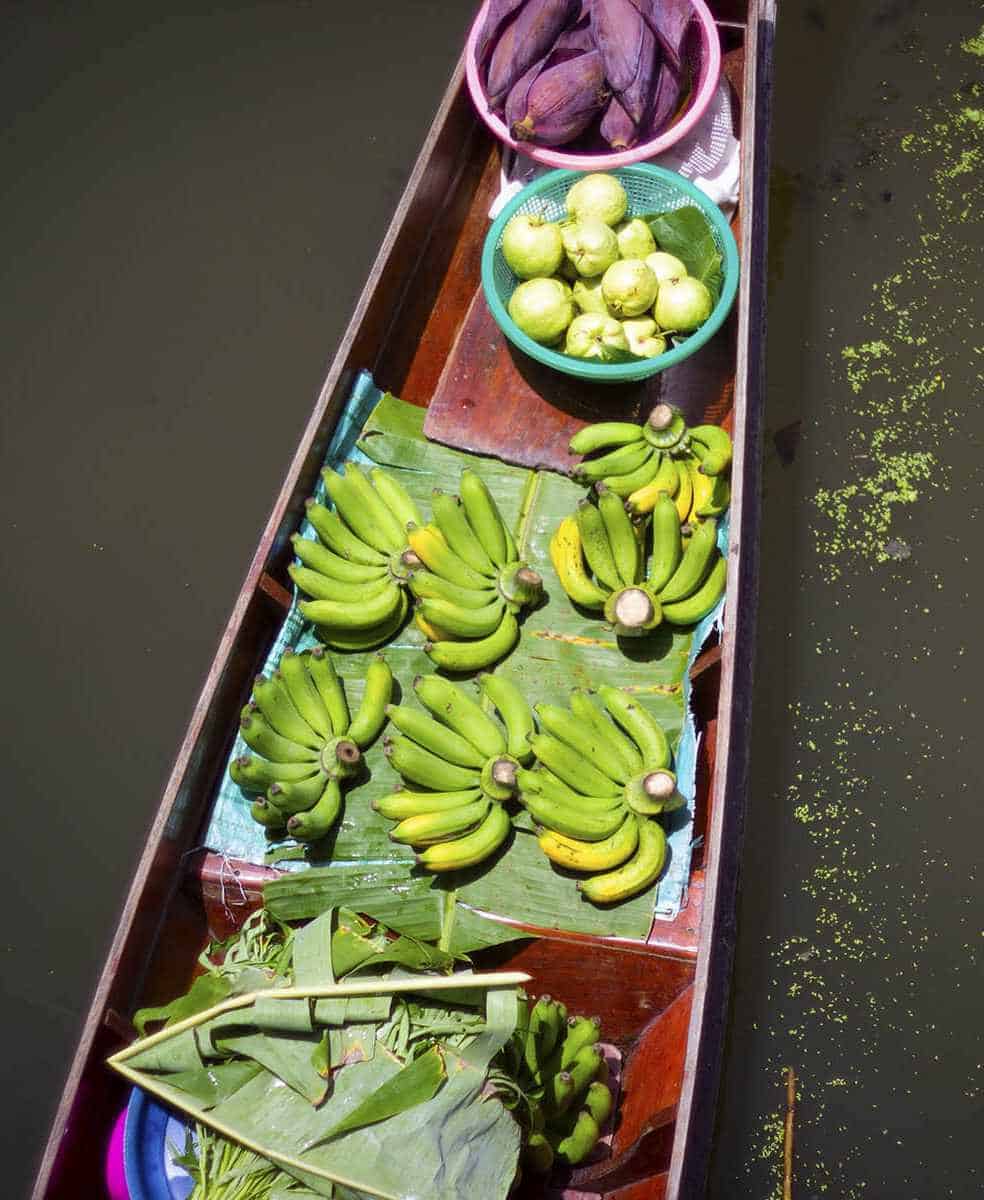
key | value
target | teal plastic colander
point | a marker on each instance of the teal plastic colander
(650, 189)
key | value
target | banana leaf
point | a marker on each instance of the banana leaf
(559, 649)
(378, 1107)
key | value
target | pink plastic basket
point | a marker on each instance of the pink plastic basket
(706, 66)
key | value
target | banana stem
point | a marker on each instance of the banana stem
(660, 785)
(633, 608)
(504, 772)
(661, 417)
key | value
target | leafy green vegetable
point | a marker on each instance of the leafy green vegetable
(413, 1084)
(686, 233)
(205, 992)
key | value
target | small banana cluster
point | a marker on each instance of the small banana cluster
(298, 724)
(468, 579)
(598, 783)
(355, 574)
(564, 1077)
(467, 760)
(661, 457)
(599, 555)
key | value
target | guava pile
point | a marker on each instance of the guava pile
(595, 285)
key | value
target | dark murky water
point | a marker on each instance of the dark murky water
(189, 204)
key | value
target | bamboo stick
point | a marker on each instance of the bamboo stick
(367, 987)
(787, 1141)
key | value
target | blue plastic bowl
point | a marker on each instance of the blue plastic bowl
(150, 1134)
(650, 189)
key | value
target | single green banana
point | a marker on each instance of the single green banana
(694, 565)
(579, 1143)
(389, 526)
(323, 587)
(367, 639)
(514, 709)
(538, 1154)
(697, 605)
(578, 855)
(625, 485)
(435, 737)
(665, 427)
(257, 774)
(293, 798)
(260, 736)
(622, 539)
(484, 516)
(274, 702)
(450, 518)
(471, 849)
(589, 714)
(595, 545)
(396, 497)
(586, 1065)
(602, 434)
(666, 477)
(428, 828)
(558, 1094)
(433, 550)
(293, 669)
(475, 655)
(397, 806)
(370, 716)
(267, 815)
(572, 767)
(639, 724)
(717, 443)
(319, 558)
(337, 536)
(542, 1018)
(581, 1032)
(573, 823)
(317, 822)
(684, 498)
(415, 763)
(667, 544)
(453, 707)
(329, 688)
(634, 876)
(358, 616)
(622, 461)
(463, 622)
(598, 1101)
(425, 585)
(580, 736)
(363, 519)
(545, 783)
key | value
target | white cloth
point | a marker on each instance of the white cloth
(708, 156)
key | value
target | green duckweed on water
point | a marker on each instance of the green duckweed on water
(897, 401)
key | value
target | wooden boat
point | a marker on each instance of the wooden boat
(663, 1000)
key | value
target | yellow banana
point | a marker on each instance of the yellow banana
(684, 498)
(568, 562)
(578, 855)
(471, 849)
(640, 872)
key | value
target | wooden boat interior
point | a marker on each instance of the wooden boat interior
(653, 996)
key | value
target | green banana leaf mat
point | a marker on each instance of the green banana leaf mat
(558, 650)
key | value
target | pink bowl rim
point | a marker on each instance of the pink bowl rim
(624, 158)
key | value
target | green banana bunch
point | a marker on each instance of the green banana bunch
(305, 742)
(663, 456)
(467, 760)
(600, 559)
(600, 777)
(355, 575)
(556, 1061)
(467, 579)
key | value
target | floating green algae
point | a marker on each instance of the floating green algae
(898, 416)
